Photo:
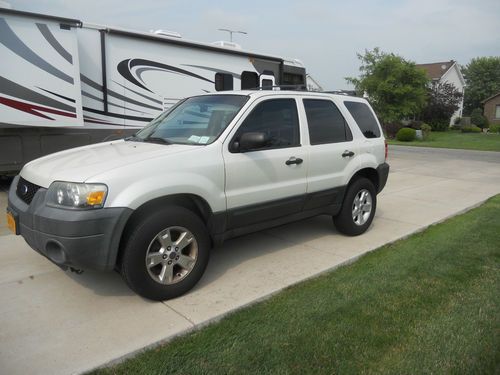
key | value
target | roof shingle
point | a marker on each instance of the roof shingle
(436, 70)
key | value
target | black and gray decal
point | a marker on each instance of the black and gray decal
(116, 95)
(13, 89)
(49, 37)
(10, 40)
(125, 69)
(215, 70)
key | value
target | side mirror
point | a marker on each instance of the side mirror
(252, 141)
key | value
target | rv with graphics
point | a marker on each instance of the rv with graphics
(65, 83)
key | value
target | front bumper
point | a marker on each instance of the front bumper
(86, 239)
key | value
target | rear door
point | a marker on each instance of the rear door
(270, 182)
(332, 152)
(364, 116)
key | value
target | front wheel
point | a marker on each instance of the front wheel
(165, 254)
(358, 208)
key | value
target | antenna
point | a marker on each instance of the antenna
(231, 32)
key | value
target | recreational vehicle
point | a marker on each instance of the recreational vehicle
(65, 83)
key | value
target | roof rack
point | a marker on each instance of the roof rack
(342, 92)
(283, 87)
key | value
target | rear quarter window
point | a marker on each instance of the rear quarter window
(364, 118)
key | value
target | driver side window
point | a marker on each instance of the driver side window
(277, 119)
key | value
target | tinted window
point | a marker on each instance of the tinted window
(276, 118)
(223, 82)
(326, 123)
(364, 118)
(249, 80)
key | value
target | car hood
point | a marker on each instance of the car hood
(80, 164)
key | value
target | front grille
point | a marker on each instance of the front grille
(26, 190)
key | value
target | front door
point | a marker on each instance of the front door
(269, 182)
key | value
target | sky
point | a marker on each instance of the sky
(325, 35)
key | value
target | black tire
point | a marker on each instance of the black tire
(144, 234)
(344, 221)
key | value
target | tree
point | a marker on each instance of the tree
(482, 78)
(477, 118)
(396, 87)
(443, 100)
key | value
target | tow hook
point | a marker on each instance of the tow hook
(76, 270)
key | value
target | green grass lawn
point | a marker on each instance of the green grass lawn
(427, 304)
(457, 139)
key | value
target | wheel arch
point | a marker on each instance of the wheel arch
(192, 202)
(369, 173)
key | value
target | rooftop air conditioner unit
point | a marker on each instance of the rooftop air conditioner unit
(226, 44)
(172, 34)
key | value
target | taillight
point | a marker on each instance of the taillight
(386, 149)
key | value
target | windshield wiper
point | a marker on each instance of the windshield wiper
(157, 140)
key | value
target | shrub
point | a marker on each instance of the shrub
(439, 125)
(495, 129)
(414, 124)
(456, 127)
(406, 135)
(471, 129)
(392, 128)
(478, 119)
(426, 130)
(457, 120)
(465, 121)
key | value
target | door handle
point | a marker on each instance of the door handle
(294, 160)
(347, 153)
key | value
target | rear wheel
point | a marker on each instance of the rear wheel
(166, 254)
(358, 208)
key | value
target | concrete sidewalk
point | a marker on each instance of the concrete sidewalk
(57, 322)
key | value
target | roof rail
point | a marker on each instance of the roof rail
(284, 87)
(341, 92)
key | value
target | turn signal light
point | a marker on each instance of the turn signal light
(95, 198)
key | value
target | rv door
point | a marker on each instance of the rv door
(39, 72)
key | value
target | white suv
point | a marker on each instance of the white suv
(213, 167)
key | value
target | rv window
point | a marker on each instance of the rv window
(249, 80)
(223, 82)
(267, 84)
(293, 79)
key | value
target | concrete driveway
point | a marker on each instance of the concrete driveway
(58, 322)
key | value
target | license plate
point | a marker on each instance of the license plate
(11, 222)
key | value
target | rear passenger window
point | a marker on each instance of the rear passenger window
(326, 123)
(278, 119)
(364, 118)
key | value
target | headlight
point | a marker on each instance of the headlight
(73, 195)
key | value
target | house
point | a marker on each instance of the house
(491, 109)
(449, 72)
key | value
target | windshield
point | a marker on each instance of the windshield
(198, 120)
